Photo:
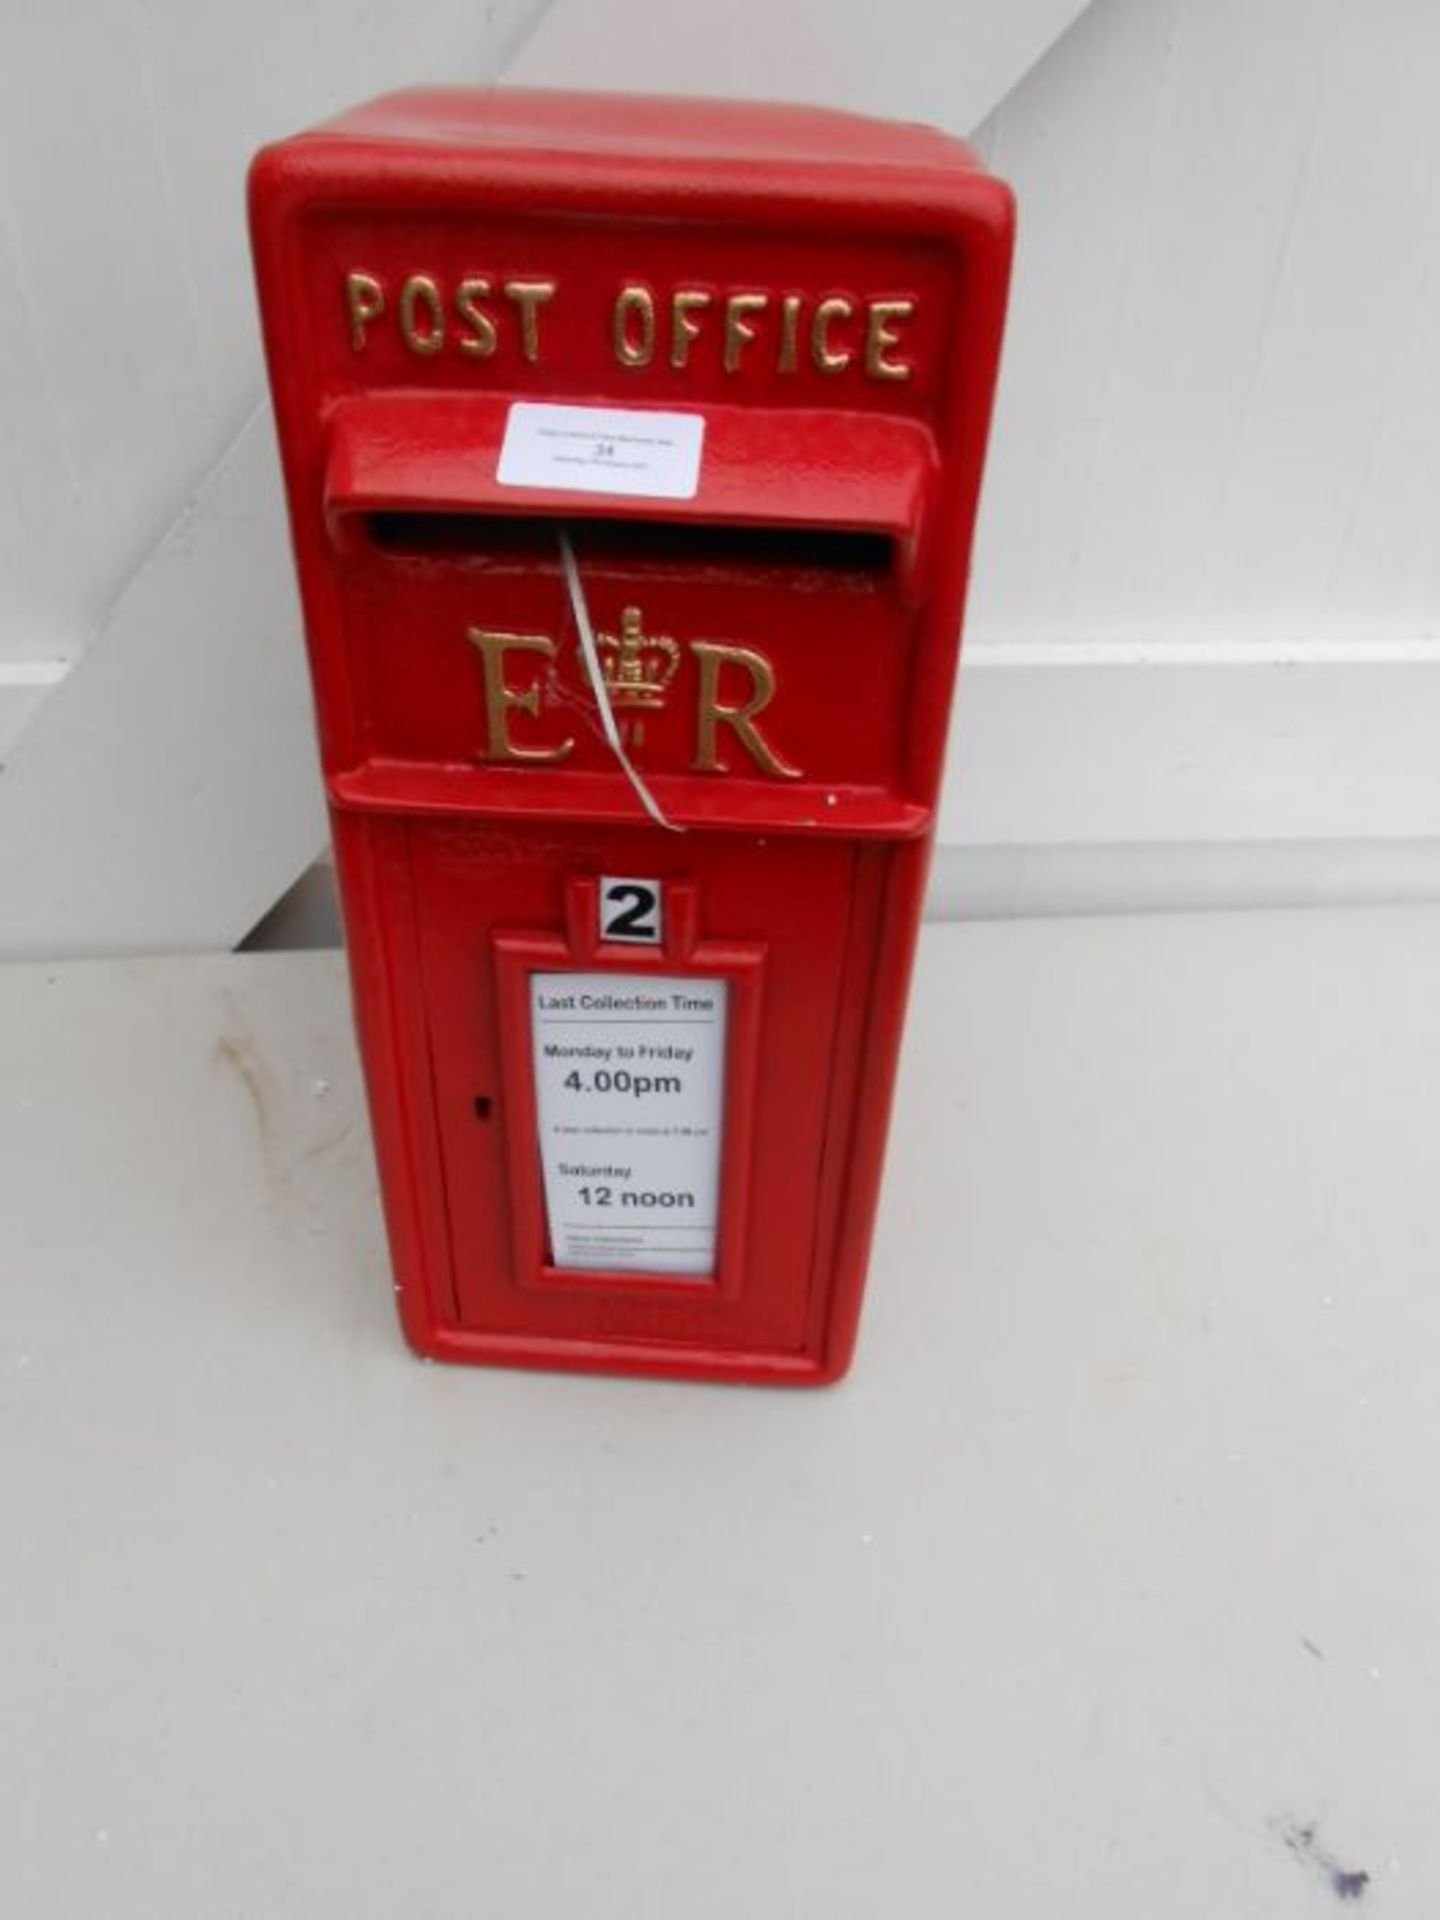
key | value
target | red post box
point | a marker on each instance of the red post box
(632, 449)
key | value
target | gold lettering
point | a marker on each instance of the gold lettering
(420, 289)
(713, 658)
(684, 302)
(500, 698)
(827, 358)
(529, 296)
(789, 328)
(469, 293)
(880, 337)
(737, 328)
(637, 303)
(365, 300)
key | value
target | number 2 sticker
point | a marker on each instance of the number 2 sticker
(630, 912)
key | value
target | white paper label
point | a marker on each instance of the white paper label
(602, 450)
(629, 1086)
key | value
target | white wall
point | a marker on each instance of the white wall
(1207, 601)
(1206, 613)
(1222, 392)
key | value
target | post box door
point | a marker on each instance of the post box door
(785, 912)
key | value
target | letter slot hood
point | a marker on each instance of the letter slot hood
(789, 468)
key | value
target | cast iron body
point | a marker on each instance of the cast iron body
(827, 294)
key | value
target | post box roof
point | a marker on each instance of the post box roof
(747, 131)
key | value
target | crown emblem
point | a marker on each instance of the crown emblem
(638, 667)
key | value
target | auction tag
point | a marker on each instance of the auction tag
(602, 450)
(629, 1088)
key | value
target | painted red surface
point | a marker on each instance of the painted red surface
(830, 533)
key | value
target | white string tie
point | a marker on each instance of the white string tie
(581, 611)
